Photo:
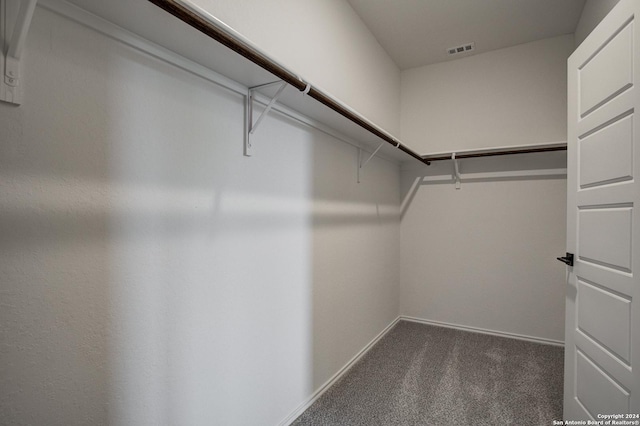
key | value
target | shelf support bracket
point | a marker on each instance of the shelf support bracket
(10, 90)
(362, 164)
(456, 170)
(251, 126)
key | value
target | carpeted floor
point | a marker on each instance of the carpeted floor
(424, 375)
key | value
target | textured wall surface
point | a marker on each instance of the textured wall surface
(152, 274)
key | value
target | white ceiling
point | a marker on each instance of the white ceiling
(418, 32)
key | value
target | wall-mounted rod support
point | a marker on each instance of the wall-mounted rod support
(251, 126)
(206, 23)
(506, 151)
(359, 160)
(270, 105)
(23, 21)
(456, 170)
(371, 156)
(362, 164)
(11, 72)
(265, 85)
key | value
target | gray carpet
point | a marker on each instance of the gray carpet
(424, 375)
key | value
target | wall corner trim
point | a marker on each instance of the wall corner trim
(517, 336)
(327, 385)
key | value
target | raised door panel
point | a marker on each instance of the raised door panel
(605, 236)
(606, 317)
(597, 391)
(606, 156)
(608, 72)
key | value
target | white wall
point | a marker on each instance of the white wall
(152, 274)
(325, 42)
(512, 96)
(592, 14)
(484, 256)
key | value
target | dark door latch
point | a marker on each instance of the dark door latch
(568, 259)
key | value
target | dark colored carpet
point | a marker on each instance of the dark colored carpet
(424, 375)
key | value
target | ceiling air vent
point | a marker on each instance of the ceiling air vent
(467, 47)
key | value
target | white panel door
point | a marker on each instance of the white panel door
(602, 352)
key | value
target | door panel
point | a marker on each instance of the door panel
(618, 369)
(608, 72)
(605, 236)
(602, 343)
(600, 312)
(607, 156)
(597, 391)
(620, 283)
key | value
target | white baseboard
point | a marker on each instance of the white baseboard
(484, 331)
(322, 389)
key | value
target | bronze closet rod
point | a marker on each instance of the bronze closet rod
(226, 37)
(508, 151)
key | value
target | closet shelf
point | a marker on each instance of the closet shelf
(188, 30)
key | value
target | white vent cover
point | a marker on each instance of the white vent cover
(467, 47)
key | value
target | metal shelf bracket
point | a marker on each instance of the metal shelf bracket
(251, 127)
(10, 89)
(361, 164)
(456, 170)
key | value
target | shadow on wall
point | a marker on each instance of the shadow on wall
(152, 274)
